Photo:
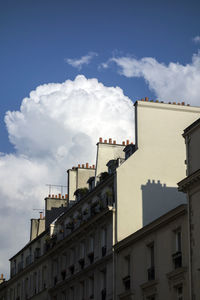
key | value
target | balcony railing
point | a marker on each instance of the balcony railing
(127, 282)
(177, 259)
(151, 273)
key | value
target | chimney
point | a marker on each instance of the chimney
(93, 166)
(146, 99)
(52, 195)
(182, 103)
(83, 166)
(123, 143)
(87, 165)
(59, 196)
(79, 165)
(110, 141)
(114, 142)
(2, 279)
(142, 99)
(66, 196)
(100, 140)
(49, 195)
(105, 141)
(41, 215)
(127, 142)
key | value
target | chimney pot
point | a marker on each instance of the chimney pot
(59, 195)
(66, 196)
(123, 143)
(174, 102)
(41, 215)
(63, 197)
(93, 166)
(146, 99)
(110, 141)
(127, 142)
(1, 276)
(100, 140)
(114, 142)
(105, 141)
(182, 103)
(87, 165)
(83, 166)
(52, 195)
(56, 196)
(49, 195)
(142, 99)
(169, 102)
(79, 165)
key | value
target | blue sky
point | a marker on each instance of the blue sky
(36, 37)
(146, 48)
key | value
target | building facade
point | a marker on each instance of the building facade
(121, 232)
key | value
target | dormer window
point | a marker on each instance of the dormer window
(112, 165)
(91, 183)
(129, 150)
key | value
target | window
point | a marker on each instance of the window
(103, 241)
(103, 284)
(177, 256)
(179, 292)
(91, 287)
(151, 257)
(82, 290)
(126, 279)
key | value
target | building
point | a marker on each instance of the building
(128, 197)
(191, 186)
(152, 263)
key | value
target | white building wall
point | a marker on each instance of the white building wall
(160, 157)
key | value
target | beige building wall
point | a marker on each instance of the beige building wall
(191, 186)
(77, 178)
(159, 160)
(105, 152)
(137, 277)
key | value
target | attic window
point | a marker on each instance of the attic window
(129, 150)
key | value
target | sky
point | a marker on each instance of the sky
(70, 72)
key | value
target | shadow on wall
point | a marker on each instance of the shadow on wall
(158, 199)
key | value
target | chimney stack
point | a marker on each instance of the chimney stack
(87, 165)
(100, 140)
(110, 141)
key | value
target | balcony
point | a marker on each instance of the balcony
(177, 259)
(127, 282)
(151, 273)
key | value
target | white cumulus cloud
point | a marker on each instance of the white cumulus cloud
(56, 127)
(174, 81)
(79, 62)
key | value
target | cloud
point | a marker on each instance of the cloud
(169, 82)
(196, 39)
(84, 60)
(56, 127)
